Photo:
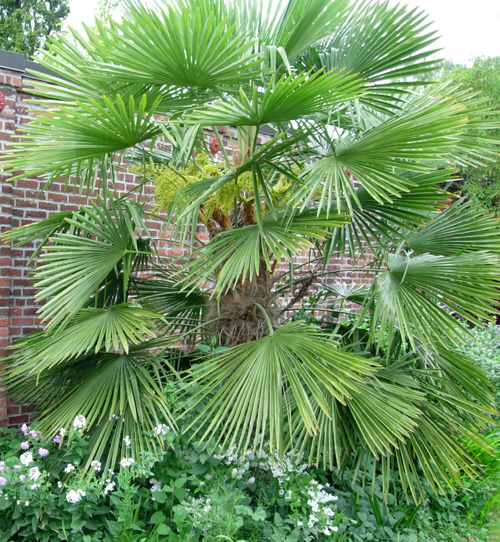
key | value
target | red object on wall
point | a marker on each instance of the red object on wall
(2, 102)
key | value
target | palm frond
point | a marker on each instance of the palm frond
(82, 139)
(459, 228)
(378, 418)
(89, 330)
(183, 47)
(235, 256)
(410, 294)
(78, 262)
(411, 140)
(289, 98)
(384, 43)
(375, 227)
(119, 394)
(247, 386)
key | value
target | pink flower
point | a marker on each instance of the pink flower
(25, 445)
(22, 477)
(3, 481)
(43, 452)
(34, 434)
(57, 439)
(2, 466)
(25, 428)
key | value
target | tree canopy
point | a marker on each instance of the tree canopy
(25, 25)
(350, 181)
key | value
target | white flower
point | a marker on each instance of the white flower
(59, 484)
(161, 429)
(34, 473)
(155, 485)
(26, 458)
(35, 486)
(126, 462)
(251, 480)
(79, 422)
(69, 468)
(73, 496)
(127, 440)
(62, 431)
(96, 465)
(109, 487)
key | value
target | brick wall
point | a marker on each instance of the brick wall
(21, 203)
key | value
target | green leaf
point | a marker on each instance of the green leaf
(289, 98)
(459, 228)
(247, 386)
(410, 295)
(90, 329)
(157, 517)
(235, 255)
(81, 138)
(190, 45)
(78, 262)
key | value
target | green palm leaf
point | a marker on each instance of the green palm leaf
(289, 98)
(183, 47)
(377, 227)
(379, 417)
(458, 228)
(161, 293)
(384, 44)
(408, 141)
(409, 295)
(90, 329)
(78, 262)
(235, 256)
(247, 386)
(119, 394)
(79, 140)
(287, 25)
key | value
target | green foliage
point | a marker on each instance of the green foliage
(481, 185)
(24, 26)
(189, 494)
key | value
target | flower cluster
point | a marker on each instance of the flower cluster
(313, 502)
(73, 496)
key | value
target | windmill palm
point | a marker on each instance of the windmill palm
(339, 86)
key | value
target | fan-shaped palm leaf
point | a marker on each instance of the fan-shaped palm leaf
(458, 228)
(376, 226)
(381, 42)
(289, 98)
(79, 140)
(409, 140)
(119, 394)
(247, 386)
(410, 295)
(236, 256)
(78, 262)
(379, 417)
(178, 47)
(90, 329)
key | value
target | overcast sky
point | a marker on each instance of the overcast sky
(467, 29)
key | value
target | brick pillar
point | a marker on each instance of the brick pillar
(10, 84)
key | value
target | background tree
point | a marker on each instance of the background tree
(25, 25)
(480, 183)
(383, 388)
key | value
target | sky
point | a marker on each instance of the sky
(467, 29)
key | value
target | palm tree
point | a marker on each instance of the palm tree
(338, 87)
